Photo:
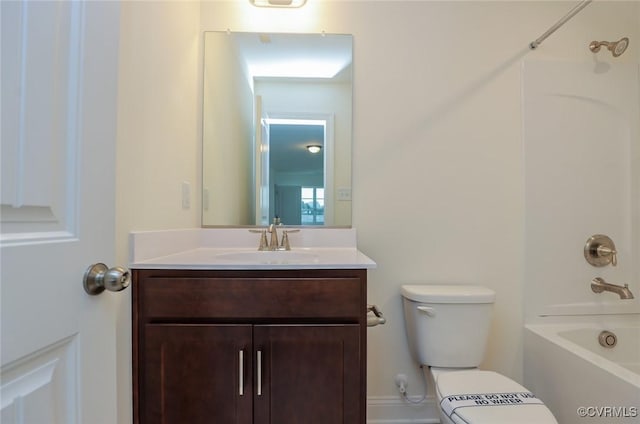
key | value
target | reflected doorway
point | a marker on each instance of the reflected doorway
(297, 164)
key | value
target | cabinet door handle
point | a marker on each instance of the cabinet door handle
(259, 372)
(241, 372)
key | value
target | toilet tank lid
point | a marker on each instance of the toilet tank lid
(450, 293)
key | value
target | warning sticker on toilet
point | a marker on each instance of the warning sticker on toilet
(450, 403)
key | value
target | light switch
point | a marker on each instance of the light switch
(344, 194)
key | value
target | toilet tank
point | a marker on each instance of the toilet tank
(447, 325)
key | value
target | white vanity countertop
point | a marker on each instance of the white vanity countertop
(237, 248)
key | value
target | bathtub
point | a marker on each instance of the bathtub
(577, 378)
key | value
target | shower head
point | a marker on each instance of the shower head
(615, 47)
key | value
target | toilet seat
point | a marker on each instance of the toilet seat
(486, 397)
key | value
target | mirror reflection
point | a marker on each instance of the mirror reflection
(277, 129)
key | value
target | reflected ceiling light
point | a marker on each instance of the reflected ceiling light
(278, 3)
(314, 148)
(296, 68)
(293, 121)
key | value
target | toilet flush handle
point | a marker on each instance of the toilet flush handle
(427, 310)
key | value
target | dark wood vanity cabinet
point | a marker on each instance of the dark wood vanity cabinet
(242, 347)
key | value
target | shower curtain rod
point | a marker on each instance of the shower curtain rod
(534, 44)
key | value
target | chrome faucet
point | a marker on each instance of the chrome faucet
(598, 285)
(273, 242)
(284, 245)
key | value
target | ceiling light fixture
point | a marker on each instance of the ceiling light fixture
(314, 148)
(278, 3)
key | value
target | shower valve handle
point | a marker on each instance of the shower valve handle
(605, 251)
(599, 250)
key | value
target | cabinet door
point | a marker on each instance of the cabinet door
(197, 374)
(309, 374)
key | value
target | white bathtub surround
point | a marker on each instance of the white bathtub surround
(237, 248)
(568, 369)
(582, 174)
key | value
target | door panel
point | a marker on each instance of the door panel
(262, 164)
(310, 374)
(288, 201)
(193, 374)
(59, 85)
(36, 143)
(35, 389)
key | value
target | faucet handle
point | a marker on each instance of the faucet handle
(264, 245)
(273, 241)
(606, 251)
(285, 238)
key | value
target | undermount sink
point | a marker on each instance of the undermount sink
(269, 256)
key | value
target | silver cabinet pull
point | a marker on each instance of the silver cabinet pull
(241, 372)
(259, 372)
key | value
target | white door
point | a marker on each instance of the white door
(288, 201)
(59, 85)
(262, 164)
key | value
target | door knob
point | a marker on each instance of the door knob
(98, 277)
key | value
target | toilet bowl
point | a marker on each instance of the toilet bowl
(447, 329)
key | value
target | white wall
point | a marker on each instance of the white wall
(159, 117)
(437, 159)
(450, 103)
(158, 145)
(227, 136)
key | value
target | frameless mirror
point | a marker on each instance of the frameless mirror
(276, 133)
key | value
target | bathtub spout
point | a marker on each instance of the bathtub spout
(598, 285)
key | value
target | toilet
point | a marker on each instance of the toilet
(447, 329)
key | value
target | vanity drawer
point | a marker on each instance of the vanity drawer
(248, 298)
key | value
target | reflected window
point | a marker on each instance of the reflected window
(312, 206)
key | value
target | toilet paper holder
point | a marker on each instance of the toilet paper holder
(377, 318)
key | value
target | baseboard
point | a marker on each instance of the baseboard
(394, 410)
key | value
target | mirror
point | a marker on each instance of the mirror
(269, 100)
